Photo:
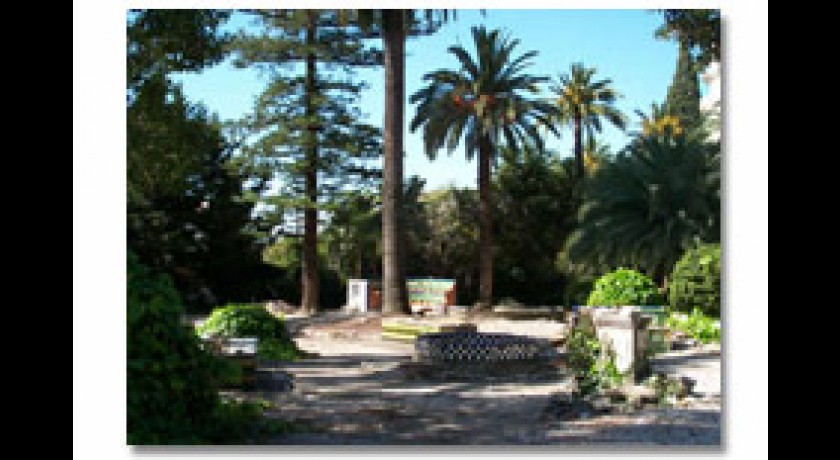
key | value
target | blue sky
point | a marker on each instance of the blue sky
(618, 43)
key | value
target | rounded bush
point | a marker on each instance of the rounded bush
(243, 321)
(172, 398)
(624, 287)
(252, 321)
(695, 281)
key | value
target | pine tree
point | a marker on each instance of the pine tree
(683, 99)
(164, 41)
(304, 129)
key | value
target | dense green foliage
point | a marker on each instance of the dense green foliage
(592, 363)
(683, 99)
(698, 28)
(695, 281)
(252, 321)
(164, 41)
(184, 216)
(704, 328)
(285, 256)
(352, 236)
(442, 240)
(171, 398)
(624, 287)
(651, 203)
(172, 383)
(536, 195)
(184, 213)
(244, 321)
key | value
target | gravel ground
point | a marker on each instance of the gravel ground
(702, 364)
(356, 392)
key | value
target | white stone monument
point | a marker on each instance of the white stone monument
(624, 330)
(357, 295)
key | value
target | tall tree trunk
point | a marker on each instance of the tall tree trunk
(661, 277)
(309, 275)
(485, 235)
(579, 145)
(394, 297)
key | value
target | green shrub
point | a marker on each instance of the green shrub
(697, 325)
(665, 387)
(592, 364)
(243, 420)
(282, 350)
(253, 321)
(243, 320)
(171, 396)
(624, 287)
(172, 384)
(695, 281)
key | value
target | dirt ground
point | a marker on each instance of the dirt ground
(357, 391)
(340, 325)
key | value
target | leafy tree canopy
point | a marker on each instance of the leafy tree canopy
(698, 28)
(165, 41)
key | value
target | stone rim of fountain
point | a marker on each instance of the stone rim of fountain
(458, 347)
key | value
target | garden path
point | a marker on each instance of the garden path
(355, 392)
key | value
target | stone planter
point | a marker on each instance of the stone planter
(240, 346)
(241, 350)
(625, 330)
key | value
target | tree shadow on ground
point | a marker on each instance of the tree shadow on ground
(667, 427)
(342, 361)
(369, 399)
(685, 358)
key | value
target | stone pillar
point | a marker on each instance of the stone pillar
(623, 330)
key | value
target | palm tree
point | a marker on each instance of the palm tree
(595, 154)
(583, 102)
(659, 122)
(482, 102)
(658, 197)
